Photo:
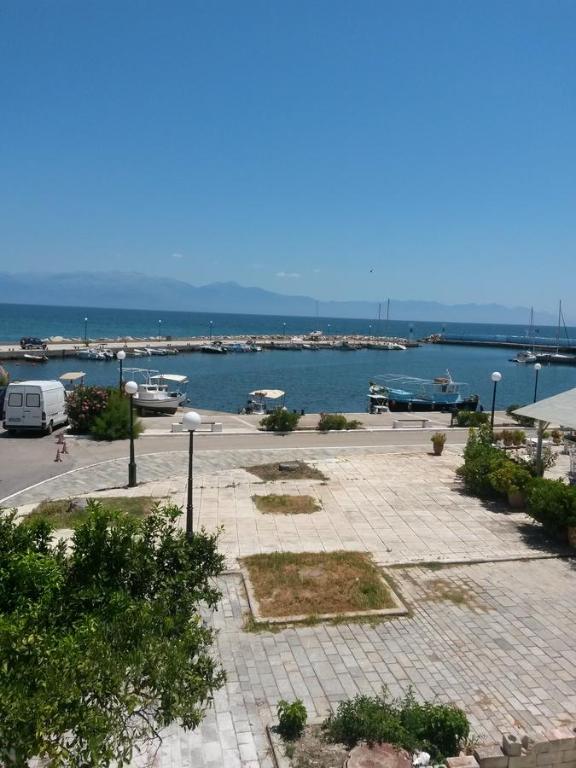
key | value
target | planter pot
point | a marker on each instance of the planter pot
(438, 448)
(571, 531)
(516, 500)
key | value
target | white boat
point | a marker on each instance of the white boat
(158, 392)
(36, 358)
(258, 401)
(527, 357)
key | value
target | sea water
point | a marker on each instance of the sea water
(324, 380)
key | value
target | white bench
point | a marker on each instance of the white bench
(399, 423)
(214, 426)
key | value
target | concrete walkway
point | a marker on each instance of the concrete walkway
(494, 637)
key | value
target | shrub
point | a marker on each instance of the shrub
(481, 458)
(524, 421)
(438, 438)
(114, 421)
(507, 436)
(280, 420)
(291, 719)
(556, 436)
(83, 405)
(336, 421)
(510, 478)
(471, 418)
(4, 377)
(552, 503)
(518, 437)
(435, 728)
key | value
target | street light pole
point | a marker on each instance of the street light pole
(86, 331)
(211, 324)
(284, 324)
(159, 329)
(120, 356)
(496, 377)
(131, 388)
(537, 369)
(190, 421)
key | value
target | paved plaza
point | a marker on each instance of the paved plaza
(490, 628)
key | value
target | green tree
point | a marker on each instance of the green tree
(113, 423)
(101, 643)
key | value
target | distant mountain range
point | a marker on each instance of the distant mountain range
(131, 290)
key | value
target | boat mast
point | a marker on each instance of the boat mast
(380, 319)
(387, 314)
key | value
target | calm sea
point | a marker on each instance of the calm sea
(326, 380)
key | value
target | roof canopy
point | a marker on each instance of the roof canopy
(72, 376)
(273, 394)
(170, 377)
(560, 409)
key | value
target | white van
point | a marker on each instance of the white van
(39, 405)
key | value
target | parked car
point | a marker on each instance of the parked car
(32, 342)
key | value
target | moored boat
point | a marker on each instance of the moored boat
(158, 392)
(258, 401)
(408, 393)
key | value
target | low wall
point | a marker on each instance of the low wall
(556, 750)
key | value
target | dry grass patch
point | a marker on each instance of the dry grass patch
(64, 513)
(299, 471)
(296, 584)
(283, 504)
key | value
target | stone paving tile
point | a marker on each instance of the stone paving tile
(505, 655)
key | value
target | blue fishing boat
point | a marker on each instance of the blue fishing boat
(408, 393)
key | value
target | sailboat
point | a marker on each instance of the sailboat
(528, 356)
(558, 358)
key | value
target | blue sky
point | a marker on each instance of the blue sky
(295, 145)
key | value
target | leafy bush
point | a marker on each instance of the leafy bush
(481, 458)
(435, 728)
(507, 436)
(471, 418)
(510, 477)
(4, 377)
(552, 503)
(518, 437)
(83, 405)
(438, 438)
(280, 420)
(336, 421)
(556, 436)
(113, 423)
(524, 421)
(102, 641)
(291, 719)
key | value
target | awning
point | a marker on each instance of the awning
(176, 377)
(272, 394)
(559, 409)
(72, 376)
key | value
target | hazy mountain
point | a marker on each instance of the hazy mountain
(129, 290)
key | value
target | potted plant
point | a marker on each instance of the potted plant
(512, 480)
(508, 437)
(438, 439)
(556, 436)
(518, 437)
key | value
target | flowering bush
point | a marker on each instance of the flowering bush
(84, 405)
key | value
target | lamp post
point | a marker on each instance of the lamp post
(86, 331)
(211, 323)
(159, 329)
(369, 330)
(537, 369)
(131, 388)
(120, 356)
(496, 377)
(284, 327)
(190, 421)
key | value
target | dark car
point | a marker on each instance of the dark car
(31, 342)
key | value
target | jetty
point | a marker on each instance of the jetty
(539, 344)
(59, 347)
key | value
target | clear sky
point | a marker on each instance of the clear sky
(295, 145)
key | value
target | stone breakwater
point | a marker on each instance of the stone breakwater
(58, 347)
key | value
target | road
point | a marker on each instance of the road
(27, 459)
